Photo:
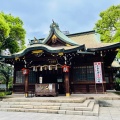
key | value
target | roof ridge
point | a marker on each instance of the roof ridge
(54, 29)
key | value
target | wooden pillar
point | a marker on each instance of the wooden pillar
(26, 84)
(14, 79)
(67, 85)
(111, 84)
(103, 74)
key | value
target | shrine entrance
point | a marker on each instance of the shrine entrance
(54, 76)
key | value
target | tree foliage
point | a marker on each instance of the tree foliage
(6, 74)
(109, 24)
(12, 33)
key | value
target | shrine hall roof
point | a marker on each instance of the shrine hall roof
(65, 49)
(87, 41)
(91, 40)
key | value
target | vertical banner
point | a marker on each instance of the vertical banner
(98, 72)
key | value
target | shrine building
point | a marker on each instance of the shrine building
(74, 63)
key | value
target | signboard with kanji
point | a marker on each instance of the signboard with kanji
(98, 72)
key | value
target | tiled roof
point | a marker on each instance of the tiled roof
(47, 48)
(90, 39)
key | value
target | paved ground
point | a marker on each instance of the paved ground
(105, 96)
(110, 112)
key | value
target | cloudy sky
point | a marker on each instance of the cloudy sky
(71, 15)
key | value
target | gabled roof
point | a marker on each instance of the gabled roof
(54, 29)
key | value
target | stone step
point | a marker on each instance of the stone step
(51, 100)
(95, 111)
(79, 108)
(84, 104)
(31, 107)
(56, 105)
(43, 106)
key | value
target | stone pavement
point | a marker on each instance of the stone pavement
(105, 96)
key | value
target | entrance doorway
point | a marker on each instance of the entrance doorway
(54, 76)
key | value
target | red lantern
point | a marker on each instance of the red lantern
(65, 68)
(25, 71)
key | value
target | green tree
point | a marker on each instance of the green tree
(109, 24)
(12, 33)
(6, 74)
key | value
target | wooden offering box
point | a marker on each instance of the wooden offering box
(46, 89)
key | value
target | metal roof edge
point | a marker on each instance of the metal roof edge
(105, 47)
(81, 33)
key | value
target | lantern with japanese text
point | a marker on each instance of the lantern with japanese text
(65, 68)
(25, 71)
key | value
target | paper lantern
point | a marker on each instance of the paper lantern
(25, 71)
(65, 68)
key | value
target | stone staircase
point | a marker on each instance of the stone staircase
(57, 106)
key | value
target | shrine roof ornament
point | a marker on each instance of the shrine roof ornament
(53, 25)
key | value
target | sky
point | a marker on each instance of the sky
(72, 15)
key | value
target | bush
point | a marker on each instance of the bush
(8, 93)
(2, 89)
(117, 84)
(2, 94)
